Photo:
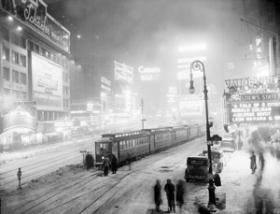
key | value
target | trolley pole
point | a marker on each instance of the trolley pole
(142, 113)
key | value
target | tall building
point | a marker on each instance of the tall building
(34, 60)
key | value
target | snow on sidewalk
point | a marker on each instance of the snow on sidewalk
(242, 188)
(237, 186)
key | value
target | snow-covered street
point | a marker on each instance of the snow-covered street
(41, 160)
(75, 190)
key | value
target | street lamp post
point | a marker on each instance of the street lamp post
(197, 65)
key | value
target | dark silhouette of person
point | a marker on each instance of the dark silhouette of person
(106, 166)
(157, 195)
(169, 188)
(262, 161)
(114, 164)
(180, 191)
(19, 174)
(253, 164)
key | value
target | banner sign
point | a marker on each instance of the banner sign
(105, 84)
(123, 72)
(46, 83)
(252, 107)
(250, 82)
(255, 112)
(34, 14)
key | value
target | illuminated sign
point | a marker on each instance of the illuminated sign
(105, 84)
(46, 83)
(123, 72)
(262, 107)
(148, 74)
(18, 119)
(255, 112)
(34, 13)
(250, 82)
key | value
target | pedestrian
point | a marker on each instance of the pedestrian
(114, 164)
(180, 191)
(19, 174)
(106, 166)
(253, 164)
(157, 195)
(262, 161)
(169, 188)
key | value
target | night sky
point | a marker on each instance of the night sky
(148, 32)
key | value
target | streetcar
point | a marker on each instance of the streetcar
(131, 145)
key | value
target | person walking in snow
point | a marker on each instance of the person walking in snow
(114, 164)
(169, 188)
(262, 161)
(180, 191)
(106, 166)
(19, 173)
(157, 195)
(253, 164)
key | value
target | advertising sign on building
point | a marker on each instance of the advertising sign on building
(105, 84)
(34, 14)
(263, 107)
(46, 84)
(123, 72)
(18, 119)
(148, 73)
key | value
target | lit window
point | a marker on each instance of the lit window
(15, 57)
(6, 53)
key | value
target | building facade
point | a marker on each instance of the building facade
(34, 60)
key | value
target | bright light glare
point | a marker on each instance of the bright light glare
(192, 47)
(10, 18)
(19, 28)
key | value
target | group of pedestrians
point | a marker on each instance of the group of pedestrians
(107, 163)
(170, 190)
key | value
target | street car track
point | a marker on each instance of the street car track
(54, 192)
(36, 172)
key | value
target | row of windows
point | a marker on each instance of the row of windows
(20, 95)
(17, 77)
(126, 144)
(20, 41)
(17, 58)
(54, 56)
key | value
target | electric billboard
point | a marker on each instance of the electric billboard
(46, 84)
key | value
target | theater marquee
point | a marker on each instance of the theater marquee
(263, 107)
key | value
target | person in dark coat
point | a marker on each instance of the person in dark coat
(180, 191)
(19, 174)
(253, 164)
(157, 195)
(114, 164)
(106, 166)
(169, 188)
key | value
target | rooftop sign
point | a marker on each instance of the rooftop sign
(34, 14)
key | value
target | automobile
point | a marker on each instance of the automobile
(197, 168)
(217, 159)
(228, 145)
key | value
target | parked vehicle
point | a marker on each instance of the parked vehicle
(130, 145)
(197, 168)
(217, 159)
(228, 145)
